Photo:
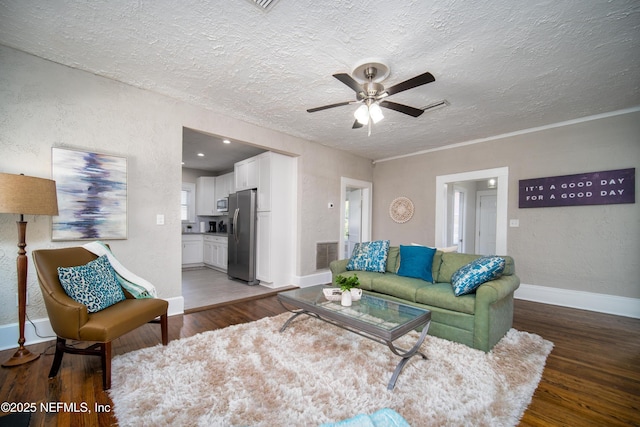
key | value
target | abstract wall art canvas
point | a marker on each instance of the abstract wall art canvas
(92, 195)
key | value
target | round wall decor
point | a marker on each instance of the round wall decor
(401, 210)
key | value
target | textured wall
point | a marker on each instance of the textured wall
(43, 104)
(588, 248)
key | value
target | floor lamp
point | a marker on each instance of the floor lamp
(25, 195)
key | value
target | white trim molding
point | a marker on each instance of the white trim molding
(602, 303)
(322, 277)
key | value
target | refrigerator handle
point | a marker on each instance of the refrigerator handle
(235, 224)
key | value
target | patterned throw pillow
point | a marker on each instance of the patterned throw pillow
(369, 256)
(94, 284)
(470, 276)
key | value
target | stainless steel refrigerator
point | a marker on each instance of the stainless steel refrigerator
(242, 236)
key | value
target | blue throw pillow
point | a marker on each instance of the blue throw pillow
(470, 276)
(94, 284)
(369, 256)
(416, 261)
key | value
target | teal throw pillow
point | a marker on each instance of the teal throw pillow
(468, 277)
(94, 284)
(416, 261)
(369, 256)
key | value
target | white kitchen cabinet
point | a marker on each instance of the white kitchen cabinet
(263, 247)
(192, 250)
(246, 174)
(215, 252)
(225, 185)
(264, 181)
(206, 196)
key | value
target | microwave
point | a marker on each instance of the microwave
(222, 205)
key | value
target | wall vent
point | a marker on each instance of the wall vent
(325, 253)
(265, 5)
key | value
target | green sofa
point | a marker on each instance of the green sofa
(478, 320)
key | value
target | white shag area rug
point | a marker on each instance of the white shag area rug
(313, 372)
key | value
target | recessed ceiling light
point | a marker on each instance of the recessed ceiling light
(200, 154)
(226, 141)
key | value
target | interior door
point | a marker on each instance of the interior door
(486, 216)
(354, 219)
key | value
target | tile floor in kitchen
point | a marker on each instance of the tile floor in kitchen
(205, 287)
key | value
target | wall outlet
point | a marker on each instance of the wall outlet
(159, 219)
(514, 223)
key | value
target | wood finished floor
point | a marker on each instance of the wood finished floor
(592, 376)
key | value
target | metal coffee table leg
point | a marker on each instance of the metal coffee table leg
(406, 355)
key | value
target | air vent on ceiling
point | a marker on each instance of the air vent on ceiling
(436, 105)
(265, 5)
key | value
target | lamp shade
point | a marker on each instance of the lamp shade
(27, 195)
(375, 112)
(362, 114)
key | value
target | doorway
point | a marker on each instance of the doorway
(486, 211)
(355, 214)
(445, 185)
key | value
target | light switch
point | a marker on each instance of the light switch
(514, 223)
(159, 219)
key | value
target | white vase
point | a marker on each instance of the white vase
(346, 298)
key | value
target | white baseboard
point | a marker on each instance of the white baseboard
(602, 303)
(319, 278)
(10, 333)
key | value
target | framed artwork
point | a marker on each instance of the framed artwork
(92, 195)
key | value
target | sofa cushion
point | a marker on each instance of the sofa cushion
(392, 259)
(398, 286)
(451, 262)
(369, 256)
(417, 262)
(366, 279)
(94, 284)
(472, 275)
(441, 295)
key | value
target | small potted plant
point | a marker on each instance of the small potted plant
(346, 284)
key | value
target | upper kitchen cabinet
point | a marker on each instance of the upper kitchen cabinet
(206, 196)
(225, 185)
(246, 174)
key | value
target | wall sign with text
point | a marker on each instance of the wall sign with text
(593, 188)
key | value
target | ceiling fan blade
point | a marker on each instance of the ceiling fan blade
(356, 125)
(414, 112)
(349, 81)
(324, 107)
(420, 80)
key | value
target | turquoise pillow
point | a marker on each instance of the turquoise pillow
(416, 261)
(369, 256)
(94, 284)
(468, 277)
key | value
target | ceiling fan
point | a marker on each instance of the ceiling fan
(372, 94)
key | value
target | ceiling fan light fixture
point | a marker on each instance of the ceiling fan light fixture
(375, 112)
(362, 114)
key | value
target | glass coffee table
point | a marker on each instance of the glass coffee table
(372, 317)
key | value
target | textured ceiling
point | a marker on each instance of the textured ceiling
(503, 65)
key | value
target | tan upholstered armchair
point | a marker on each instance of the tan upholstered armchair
(71, 320)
